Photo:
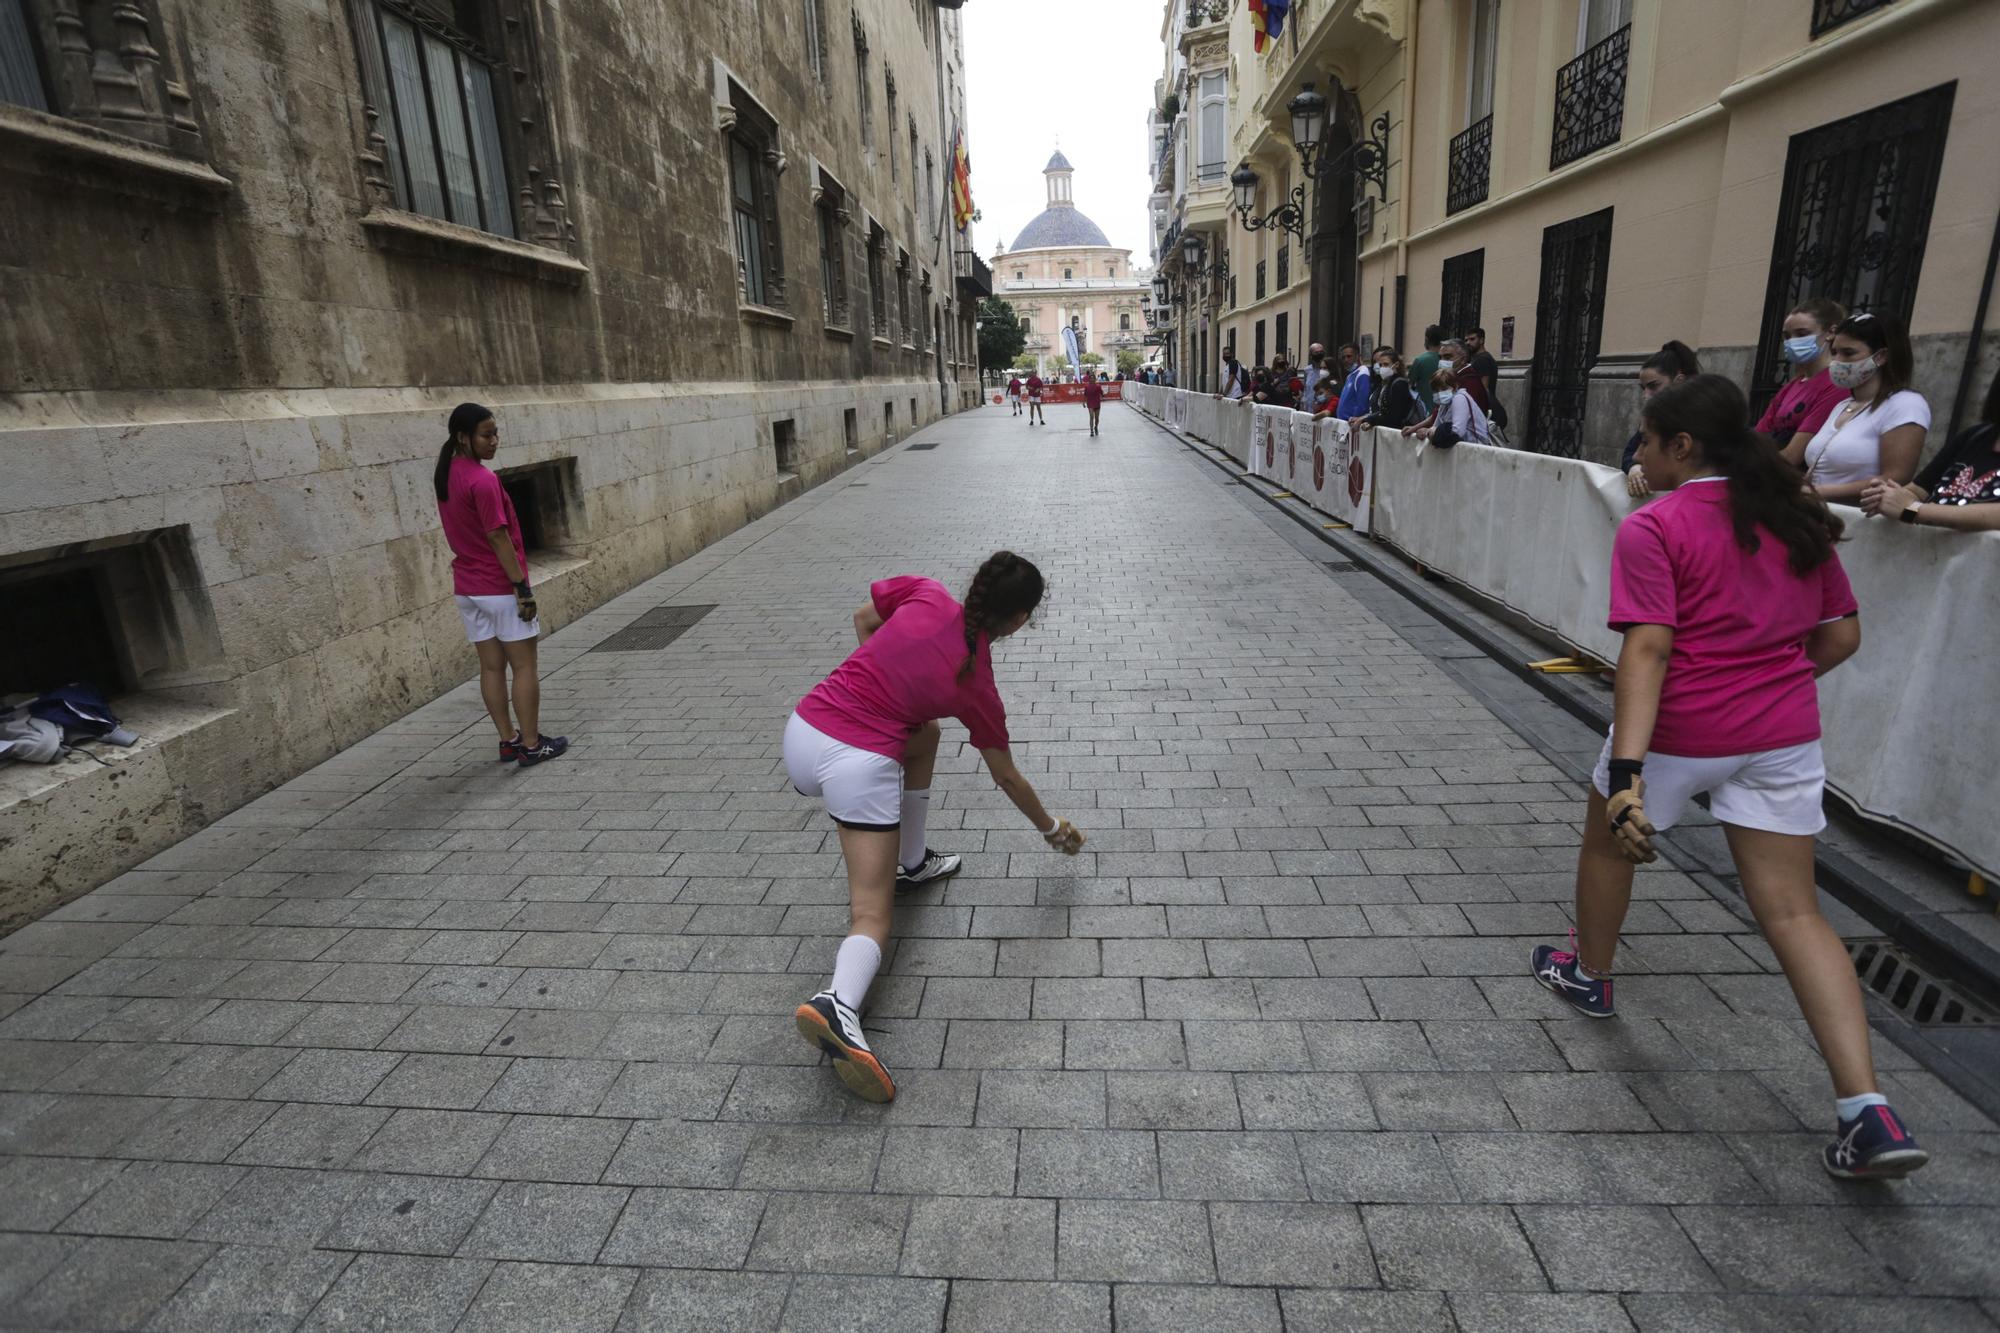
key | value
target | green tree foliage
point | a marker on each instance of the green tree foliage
(1091, 359)
(1000, 334)
(1128, 360)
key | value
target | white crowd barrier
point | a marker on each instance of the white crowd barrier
(1533, 533)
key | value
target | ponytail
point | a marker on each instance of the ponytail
(1764, 489)
(1675, 360)
(465, 419)
(1005, 586)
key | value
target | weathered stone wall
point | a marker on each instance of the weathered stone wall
(237, 354)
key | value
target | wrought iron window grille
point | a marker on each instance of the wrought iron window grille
(1830, 14)
(1471, 165)
(1590, 100)
(1462, 280)
(1260, 280)
(1284, 267)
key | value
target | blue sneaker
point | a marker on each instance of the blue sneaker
(1872, 1146)
(543, 750)
(1555, 969)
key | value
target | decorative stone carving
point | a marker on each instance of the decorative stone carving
(106, 70)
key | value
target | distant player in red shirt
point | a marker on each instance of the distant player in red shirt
(1093, 399)
(1035, 416)
(865, 740)
(1014, 393)
(1732, 603)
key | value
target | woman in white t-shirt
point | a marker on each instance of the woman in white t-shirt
(1877, 434)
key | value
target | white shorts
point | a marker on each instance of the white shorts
(495, 617)
(862, 789)
(1777, 791)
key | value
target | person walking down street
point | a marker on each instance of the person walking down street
(1959, 489)
(1034, 388)
(1425, 364)
(1674, 362)
(1808, 396)
(1732, 602)
(1093, 401)
(489, 584)
(1359, 387)
(1878, 434)
(1395, 402)
(1014, 394)
(865, 741)
(1235, 379)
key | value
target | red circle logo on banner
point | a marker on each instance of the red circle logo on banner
(1270, 448)
(1319, 468)
(1355, 478)
(997, 400)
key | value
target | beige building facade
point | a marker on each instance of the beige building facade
(1586, 179)
(697, 259)
(1062, 271)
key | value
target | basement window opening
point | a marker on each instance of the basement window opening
(785, 443)
(544, 496)
(850, 425)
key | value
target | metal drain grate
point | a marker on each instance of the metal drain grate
(1339, 566)
(655, 629)
(915, 447)
(1909, 989)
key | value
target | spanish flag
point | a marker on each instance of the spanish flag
(961, 182)
(1267, 19)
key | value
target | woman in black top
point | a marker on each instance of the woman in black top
(1392, 402)
(1674, 362)
(1959, 489)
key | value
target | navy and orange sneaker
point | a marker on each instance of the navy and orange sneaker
(1872, 1146)
(510, 750)
(1556, 970)
(834, 1028)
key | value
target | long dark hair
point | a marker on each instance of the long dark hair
(1675, 360)
(1005, 586)
(465, 419)
(1764, 489)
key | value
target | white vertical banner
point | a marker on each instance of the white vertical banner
(1343, 471)
(1299, 456)
(1270, 435)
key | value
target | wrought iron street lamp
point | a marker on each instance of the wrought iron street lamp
(1192, 250)
(1369, 159)
(1289, 214)
(1162, 290)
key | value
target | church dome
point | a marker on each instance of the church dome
(1060, 227)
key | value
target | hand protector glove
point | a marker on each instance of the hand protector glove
(1630, 829)
(1065, 837)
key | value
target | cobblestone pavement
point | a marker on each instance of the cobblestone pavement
(422, 1042)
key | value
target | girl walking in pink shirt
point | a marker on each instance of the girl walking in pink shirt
(1732, 603)
(865, 740)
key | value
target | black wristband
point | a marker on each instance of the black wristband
(522, 589)
(1624, 772)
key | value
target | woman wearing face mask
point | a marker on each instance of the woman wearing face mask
(1394, 402)
(1809, 396)
(1878, 434)
(1674, 362)
(1457, 418)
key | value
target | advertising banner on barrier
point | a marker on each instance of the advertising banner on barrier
(1343, 469)
(1270, 436)
(1073, 393)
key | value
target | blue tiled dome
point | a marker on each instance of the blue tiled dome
(1058, 163)
(1062, 226)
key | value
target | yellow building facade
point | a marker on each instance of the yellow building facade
(1585, 179)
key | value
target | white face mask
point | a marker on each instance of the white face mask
(1382, 372)
(1444, 397)
(1852, 374)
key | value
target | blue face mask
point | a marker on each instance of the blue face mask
(1801, 350)
(1444, 397)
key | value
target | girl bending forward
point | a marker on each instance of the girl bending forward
(865, 741)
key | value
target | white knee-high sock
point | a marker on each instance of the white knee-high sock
(854, 969)
(916, 809)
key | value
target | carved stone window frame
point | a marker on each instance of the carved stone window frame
(543, 224)
(834, 219)
(745, 121)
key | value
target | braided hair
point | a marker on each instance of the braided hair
(1005, 586)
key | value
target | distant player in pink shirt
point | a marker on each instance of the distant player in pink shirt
(865, 740)
(1732, 602)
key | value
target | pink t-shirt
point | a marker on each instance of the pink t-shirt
(907, 675)
(1801, 405)
(479, 504)
(1738, 680)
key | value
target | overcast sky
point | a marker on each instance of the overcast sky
(1079, 69)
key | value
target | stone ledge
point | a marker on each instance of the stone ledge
(765, 314)
(34, 141)
(398, 229)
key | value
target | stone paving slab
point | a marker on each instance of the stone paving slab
(424, 1042)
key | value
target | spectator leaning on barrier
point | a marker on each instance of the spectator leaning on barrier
(1458, 360)
(1674, 362)
(1323, 400)
(1808, 396)
(1961, 487)
(1359, 385)
(1487, 372)
(1315, 369)
(1235, 379)
(1425, 364)
(1879, 433)
(1395, 403)
(1456, 419)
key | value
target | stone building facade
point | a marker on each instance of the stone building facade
(697, 257)
(1586, 179)
(1063, 270)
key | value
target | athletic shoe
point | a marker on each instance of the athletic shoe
(510, 750)
(834, 1028)
(1556, 970)
(1872, 1146)
(930, 870)
(547, 748)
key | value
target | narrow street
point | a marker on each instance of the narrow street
(420, 1040)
